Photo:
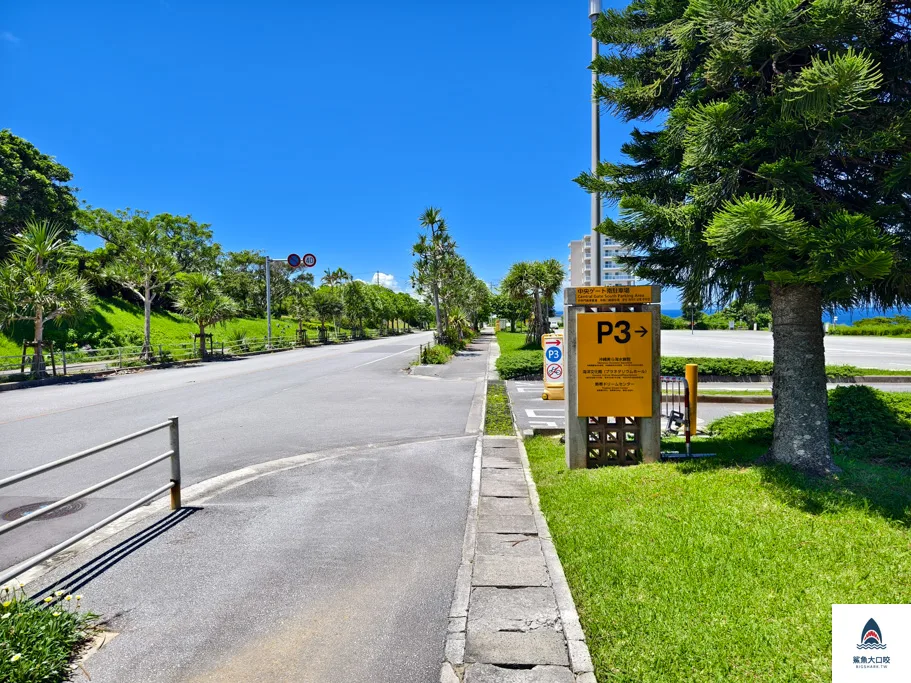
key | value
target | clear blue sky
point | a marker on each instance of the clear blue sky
(318, 126)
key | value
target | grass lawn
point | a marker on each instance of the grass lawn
(722, 570)
(498, 417)
(114, 322)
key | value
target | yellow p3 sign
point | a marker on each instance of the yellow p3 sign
(614, 364)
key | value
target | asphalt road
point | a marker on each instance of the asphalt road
(864, 352)
(341, 569)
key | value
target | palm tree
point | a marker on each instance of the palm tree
(433, 251)
(200, 299)
(336, 277)
(300, 303)
(328, 305)
(536, 282)
(39, 283)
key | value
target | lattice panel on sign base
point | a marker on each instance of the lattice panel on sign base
(614, 441)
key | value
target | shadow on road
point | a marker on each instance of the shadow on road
(81, 576)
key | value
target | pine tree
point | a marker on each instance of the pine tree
(778, 170)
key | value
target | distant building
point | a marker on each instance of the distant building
(581, 263)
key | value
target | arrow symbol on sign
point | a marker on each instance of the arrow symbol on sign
(642, 331)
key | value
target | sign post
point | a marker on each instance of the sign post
(553, 367)
(612, 379)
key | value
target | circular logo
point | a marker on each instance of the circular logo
(309, 260)
(554, 371)
(294, 260)
(554, 354)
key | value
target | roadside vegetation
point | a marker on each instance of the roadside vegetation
(896, 326)
(725, 568)
(159, 279)
(519, 359)
(40, 641)
(498, 416)
(459, 299)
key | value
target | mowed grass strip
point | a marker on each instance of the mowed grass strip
(720, 570)
(498, 417)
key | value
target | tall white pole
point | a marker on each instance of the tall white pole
(594, 11)
(269, 301)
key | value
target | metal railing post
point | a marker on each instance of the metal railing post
(63, 354)
(120, 356)
(175, 463)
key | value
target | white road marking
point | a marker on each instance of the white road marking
(560, 412)
(377, 360)
(543, 424)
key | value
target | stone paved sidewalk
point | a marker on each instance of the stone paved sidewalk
(512, 619)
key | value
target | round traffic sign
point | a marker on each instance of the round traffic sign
(309, 260)
(553, 354)
(294, 260)
(554, 371)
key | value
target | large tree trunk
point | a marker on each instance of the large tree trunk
(436, 308)
(146, 353)
(202, 342)
(38, 366)
(801, 436)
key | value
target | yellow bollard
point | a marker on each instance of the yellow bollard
(692, 380)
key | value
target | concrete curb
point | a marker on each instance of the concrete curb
(579, 657)
(454, 648)
(755, 400)
(453, 667)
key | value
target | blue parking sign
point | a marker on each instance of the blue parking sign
(553, 354)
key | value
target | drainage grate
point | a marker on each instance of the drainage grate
(26, 510)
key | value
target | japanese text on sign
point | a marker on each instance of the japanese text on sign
(594, 296)
(615, 364)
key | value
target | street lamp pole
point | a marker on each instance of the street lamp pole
(269, 302)
(594, 11)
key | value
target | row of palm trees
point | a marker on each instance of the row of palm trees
(537, 283)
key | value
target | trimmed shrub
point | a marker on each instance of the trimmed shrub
(521, 364)
(436, 355)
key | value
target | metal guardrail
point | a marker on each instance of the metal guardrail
(173, 486)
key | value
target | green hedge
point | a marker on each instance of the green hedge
(521, 363)
(868, 424)
(732, 367)
(436, 355)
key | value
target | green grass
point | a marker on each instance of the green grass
(38, 642)
(719, 569)
(114, 322)
(498, 417)
(517, 359)
(865, 424)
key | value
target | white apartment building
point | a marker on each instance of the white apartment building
(581, 263)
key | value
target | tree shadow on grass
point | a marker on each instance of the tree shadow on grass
(875, 487)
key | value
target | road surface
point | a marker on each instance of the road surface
(864, 352)
(338, 569)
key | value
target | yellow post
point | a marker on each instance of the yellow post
(692, 380)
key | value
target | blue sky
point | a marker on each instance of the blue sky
(321, 127)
